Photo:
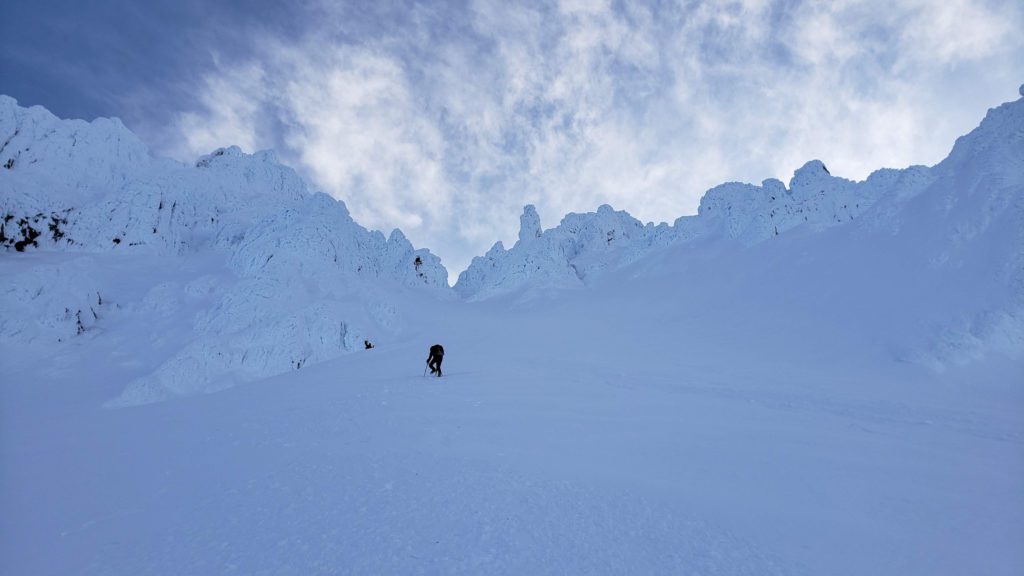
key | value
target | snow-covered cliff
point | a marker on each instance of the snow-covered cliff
(580, 246)
(299, 274)
(94, 186)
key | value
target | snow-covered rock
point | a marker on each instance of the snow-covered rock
(299, 264)
(581, 246)
(529, 224)
(585, 246)
(814, 199)
(54, 302)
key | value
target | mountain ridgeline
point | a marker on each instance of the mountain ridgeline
(278, 277)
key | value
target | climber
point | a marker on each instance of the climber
(367, 344)
(435, 358)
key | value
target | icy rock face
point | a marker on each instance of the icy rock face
(304, 270)
(586, 245)
(751, 214)
(44, 158)
(58, 302)
(581, 246)
(94, 186)
(318, 234)
(529, 224)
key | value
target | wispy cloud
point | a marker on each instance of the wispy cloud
(444, 119)
(229, 113)
(360, 133)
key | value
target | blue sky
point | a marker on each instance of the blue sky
(444, 118)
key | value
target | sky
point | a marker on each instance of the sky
(445, 118)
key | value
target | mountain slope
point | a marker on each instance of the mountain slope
(934, 257)
(291, 279)
(287, 277)
(709, 397)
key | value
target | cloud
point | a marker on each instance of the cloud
(444, 120)
(360, 134)
(345, 116)
(229, 113)
(955, 31)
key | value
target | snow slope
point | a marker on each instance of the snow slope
(711, 397)
(598, 434)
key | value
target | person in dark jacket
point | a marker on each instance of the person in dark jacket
(435, 358)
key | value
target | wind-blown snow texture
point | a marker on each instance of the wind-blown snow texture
(816, 378)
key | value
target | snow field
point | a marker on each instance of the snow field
(539, 451)
(783, 384)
